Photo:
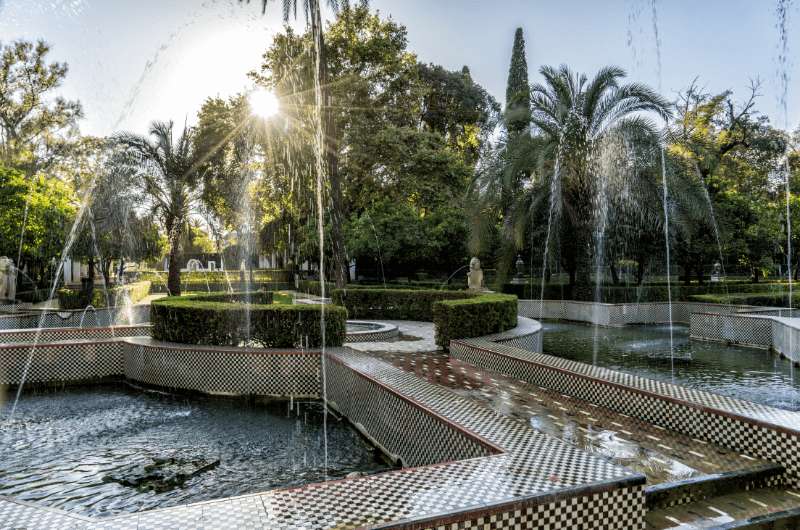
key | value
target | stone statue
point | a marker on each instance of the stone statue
(8, 279)
(519, 277)
(475, 275)
(716, 272)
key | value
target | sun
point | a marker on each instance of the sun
(263, 103)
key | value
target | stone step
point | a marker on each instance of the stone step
(667, 494)
(765, 508)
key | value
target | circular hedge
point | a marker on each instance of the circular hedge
(455, 314)
(222, 320)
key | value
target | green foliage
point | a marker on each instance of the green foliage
(76, 299)
(223, 321)
(473, 317)
(35, 127)
(518, 96)
(772, 299)
(393, 304)
(50, 213)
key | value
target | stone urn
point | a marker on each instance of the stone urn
(8, 279)
(519, 277)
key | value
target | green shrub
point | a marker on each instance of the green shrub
(472, 317)
(314, 287)
(393, 304)
(204, 319)
(76, 299)
(774, 299)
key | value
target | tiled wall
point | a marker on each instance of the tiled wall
(400, 426)
(45, 335)
(236, 371)
(136, 314)
(758, 430)
(739, 329)
(60, 363)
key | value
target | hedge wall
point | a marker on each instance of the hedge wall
(774, 299)
(455, 314)
(194, 319)
(393, 304)
(473, 317)
(75, 299)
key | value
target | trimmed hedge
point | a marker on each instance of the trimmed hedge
(204, 319)
(455, 314)
(393, 304)
(75, 299)
(472, 317)
(773, 299)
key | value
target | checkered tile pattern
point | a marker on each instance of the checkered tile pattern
(103, 317)
(414, 436)
(758, 430)
(14, 308)
(221, 370)
(49, 363)
(601, 511)
(737, 329)
(23, 515)
(511, 473)
(47, 335)
(373, 336)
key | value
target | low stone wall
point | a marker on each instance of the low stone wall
(400, 426)
(44, 335)
(758, 430)
(786, 338)
(620, 314)
(223, 371)
(746, 330)
(103, 317)
(60, 363)
(476, 467)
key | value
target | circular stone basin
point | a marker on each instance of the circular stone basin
(367, 331)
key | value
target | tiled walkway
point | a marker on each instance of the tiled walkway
(661, 455)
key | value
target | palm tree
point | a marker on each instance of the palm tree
(168, 171)
(580, 121)
(329, 163)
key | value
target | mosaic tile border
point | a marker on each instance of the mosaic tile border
(758, 430)
(10, 336)
(542, 478)
(102, 317)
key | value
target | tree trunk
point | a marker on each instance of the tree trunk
(699, 272)
(174, 274)
(330, 150)
(756, 274)
(640, 264)
(121, 269)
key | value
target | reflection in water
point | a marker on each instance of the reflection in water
(745, 373)
(77, 449)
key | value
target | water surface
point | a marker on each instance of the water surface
(745, 373)
(68, 449)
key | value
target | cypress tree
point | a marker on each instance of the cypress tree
(518, 96)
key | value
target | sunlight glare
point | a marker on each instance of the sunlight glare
(263, 103)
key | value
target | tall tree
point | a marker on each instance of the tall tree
(34, 126)
(518, 96)
(325, 130)
(578, 117)
(168, 171)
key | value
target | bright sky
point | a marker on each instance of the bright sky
(132, 61)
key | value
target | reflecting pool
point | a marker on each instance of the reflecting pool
(107, 450)
(745, 373)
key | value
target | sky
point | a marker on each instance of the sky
(133, 61)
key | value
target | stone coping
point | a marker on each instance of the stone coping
(746, 411)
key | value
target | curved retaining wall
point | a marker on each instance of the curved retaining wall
(621, 314)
